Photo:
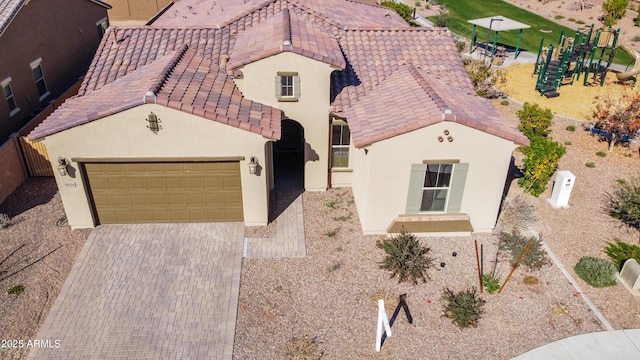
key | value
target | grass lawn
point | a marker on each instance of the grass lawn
(462, 10)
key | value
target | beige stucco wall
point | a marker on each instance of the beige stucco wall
(125, 135)
(311, 110)
(381, 177)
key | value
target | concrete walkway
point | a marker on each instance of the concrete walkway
(618, 344)
(149, 291)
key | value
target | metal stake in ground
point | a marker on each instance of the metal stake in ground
(515, 266)
(478, 263)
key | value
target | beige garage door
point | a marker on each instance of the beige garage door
(165, 192)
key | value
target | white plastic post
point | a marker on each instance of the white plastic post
(382, 321)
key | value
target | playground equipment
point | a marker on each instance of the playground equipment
(590, 53)
(635, 70)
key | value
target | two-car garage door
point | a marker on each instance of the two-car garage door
(156, 192)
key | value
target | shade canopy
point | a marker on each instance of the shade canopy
(499, 23)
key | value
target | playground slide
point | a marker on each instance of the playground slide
(636, 67)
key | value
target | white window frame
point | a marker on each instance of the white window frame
(38, 64)
(344, 147)
(293, 86)
(6, 83)
(102, 26)
(447, 188)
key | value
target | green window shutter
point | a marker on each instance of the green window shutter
(296, 87)
(416, 180)
(457, 187)
(278, 87)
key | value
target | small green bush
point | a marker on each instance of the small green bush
(567, 143)
(442, 19)
(515, 244)
(15, 290)
(571, 19)
(490, 283)
(406, 258)
(463, 308)
(590, 164)
(558, 17)
(504, 102)
(405, 11)
(571, 128)
(534, 120)
(541, 161)
(636, 38)
(579, 22)
(620, 251)
(596, 272)
(601, 153)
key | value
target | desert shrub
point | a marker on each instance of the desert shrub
(614, 10)
(405, 257)
(442, 19)
(534, 120)
(478, 71)
(461, 45)
(558, 17)
(303, 347)
(590, 164)
(463, 308)
(515, 244)
(579, 22)
(5, 221)
(623, 203)
(596, 272)
(636, 38)
(620, 251)
(571, 19)
(542, 159)
(567, 143)
(15, 290)
(504, 102)
(571, 128)
(531, 280)
(601, 153)
(405, 11)
(490, 283)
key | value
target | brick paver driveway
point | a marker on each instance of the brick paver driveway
(151, 291)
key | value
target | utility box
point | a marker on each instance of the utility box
(562, 189)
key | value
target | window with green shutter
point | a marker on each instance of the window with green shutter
(436, 187)
(287, 86)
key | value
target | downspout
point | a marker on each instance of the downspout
(329, 155)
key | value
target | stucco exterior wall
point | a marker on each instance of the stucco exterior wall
(61, 32)
(381, 177)
(311, 110)
(125, 136)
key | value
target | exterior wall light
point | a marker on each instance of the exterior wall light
(253, 165)
(62, 166)
(153, 123)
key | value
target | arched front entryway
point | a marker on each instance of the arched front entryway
(288, 167)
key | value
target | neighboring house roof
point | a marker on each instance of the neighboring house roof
(9, 9)
(219, 13)
(400, 80)
(410, 98)
(284, 32)
(181, 80)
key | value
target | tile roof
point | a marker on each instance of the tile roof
(387, 69)
(8, 10)
(287, 32)
(377, 62)
(181, 80)
(386, 111)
